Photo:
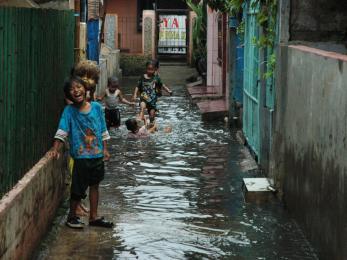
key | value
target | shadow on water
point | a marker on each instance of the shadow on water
(178, 196)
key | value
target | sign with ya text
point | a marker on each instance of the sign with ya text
(172, 34)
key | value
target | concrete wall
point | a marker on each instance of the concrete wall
(109, 64)
(28, 209)
(310, 144)
(318, 20)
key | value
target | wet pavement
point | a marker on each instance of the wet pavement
(178, 196)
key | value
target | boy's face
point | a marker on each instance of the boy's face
(77, 93)
(113, 88)
(150, 70)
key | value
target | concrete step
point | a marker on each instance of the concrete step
(173, 63)
(213, 109)
(257, 190)
(196, 83)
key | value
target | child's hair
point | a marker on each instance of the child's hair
(68, 85)
(156, 63)
(131, 124)
(112, 81)
(151, 62)
(86, 68)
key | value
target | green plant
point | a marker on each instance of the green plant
(199, 29)
(266, 18)
(231, 7)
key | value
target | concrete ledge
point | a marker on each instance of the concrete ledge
(213, 109)
(201, 90)
(193, 84)
(28, 209)
(201, 93)
(319, 52)
(200, 98)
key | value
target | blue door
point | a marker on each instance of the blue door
(236, 63)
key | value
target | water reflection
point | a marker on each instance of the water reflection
(178, 196)
(186, 202)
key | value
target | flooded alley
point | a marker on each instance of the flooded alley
(178, 195)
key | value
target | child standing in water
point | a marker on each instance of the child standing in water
(89, 72)
(166, 88)
(112, 96)
(148, 88)
(84, 125)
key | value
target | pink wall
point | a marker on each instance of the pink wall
(214, 70)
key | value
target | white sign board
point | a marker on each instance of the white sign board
(172, 34)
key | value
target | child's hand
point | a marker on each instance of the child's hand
(106, 155)
(53, 154)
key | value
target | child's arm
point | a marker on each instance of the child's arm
(124, 100)
(106, 153)
(93, 95)
(100, 98)
(142, 115)
(153, 129)
(54, 152)
(135, 93)
(166, 88)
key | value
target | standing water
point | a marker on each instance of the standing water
(178, 196)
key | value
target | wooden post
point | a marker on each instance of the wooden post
(77, 30)
(192, 21)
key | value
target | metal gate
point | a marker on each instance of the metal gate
(251, 125)
(129, 41)
(36, 54)
(172, 33)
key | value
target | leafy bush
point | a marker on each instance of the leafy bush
(133, 64)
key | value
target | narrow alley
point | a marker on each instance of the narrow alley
(178, 195)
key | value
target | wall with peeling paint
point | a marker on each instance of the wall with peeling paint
(310, 144)
(27, 211)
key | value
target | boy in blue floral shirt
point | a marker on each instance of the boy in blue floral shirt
(83, 124)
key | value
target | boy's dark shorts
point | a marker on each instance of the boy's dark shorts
(85, 173)
(150, 106)
(112, 117)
